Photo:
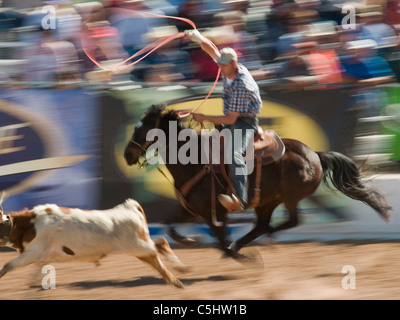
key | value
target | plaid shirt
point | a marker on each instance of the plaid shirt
(242, 95)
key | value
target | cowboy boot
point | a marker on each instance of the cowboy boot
(231, 203)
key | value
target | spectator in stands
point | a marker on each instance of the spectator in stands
(69, 22)
(306, 65)
(130, 24)
(365, 69)
(276, 26)
(324, 64)
(99, 39)
(236, 5)
(363, 66)
(41, 63)
(391, 14)
(293, 69)
(297, 28)
(373, 27)
(51, 59)
(322, 56)
(168, 63)
(328, 11)
(244, 43)
(199, 11)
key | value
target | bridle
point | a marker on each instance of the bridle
(147, 144)
(178, 193)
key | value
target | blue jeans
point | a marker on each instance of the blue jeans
(245, 129)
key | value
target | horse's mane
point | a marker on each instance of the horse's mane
(171, 115)
(166, 114)
(161, 109)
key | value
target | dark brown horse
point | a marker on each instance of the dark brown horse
(289, 180)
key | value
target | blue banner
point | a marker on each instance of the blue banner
(49, 148)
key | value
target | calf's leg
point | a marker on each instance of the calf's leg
(156, 263)
(163, 248)
(23, 260)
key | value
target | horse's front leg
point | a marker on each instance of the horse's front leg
(220, 233)
(262, 226)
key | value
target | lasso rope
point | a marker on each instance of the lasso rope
(149, 49)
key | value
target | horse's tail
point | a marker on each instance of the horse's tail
(345, 176)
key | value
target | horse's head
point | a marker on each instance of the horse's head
(137, 146)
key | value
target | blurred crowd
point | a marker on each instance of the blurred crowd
(292, 44)
(318, 43)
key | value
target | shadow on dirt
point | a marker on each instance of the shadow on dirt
(142, 281)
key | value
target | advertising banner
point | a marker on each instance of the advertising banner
(49, 148)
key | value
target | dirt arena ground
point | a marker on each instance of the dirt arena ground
(290, 271)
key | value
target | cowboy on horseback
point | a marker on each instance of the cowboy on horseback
(242, 103)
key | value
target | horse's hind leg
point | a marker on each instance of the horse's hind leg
(182, 240)
(293, 220)
(261, 227)
(171, 231)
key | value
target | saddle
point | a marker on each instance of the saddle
(268, 143)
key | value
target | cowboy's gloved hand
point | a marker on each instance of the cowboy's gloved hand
(199, 117)
(194, 35)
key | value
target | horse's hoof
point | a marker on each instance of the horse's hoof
(234, 247)
(229, 253)
(189, 243)
(225, 256)
(183, 241)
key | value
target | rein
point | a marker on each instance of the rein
(178, 193)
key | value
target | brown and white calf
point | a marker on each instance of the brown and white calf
(49, 233)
